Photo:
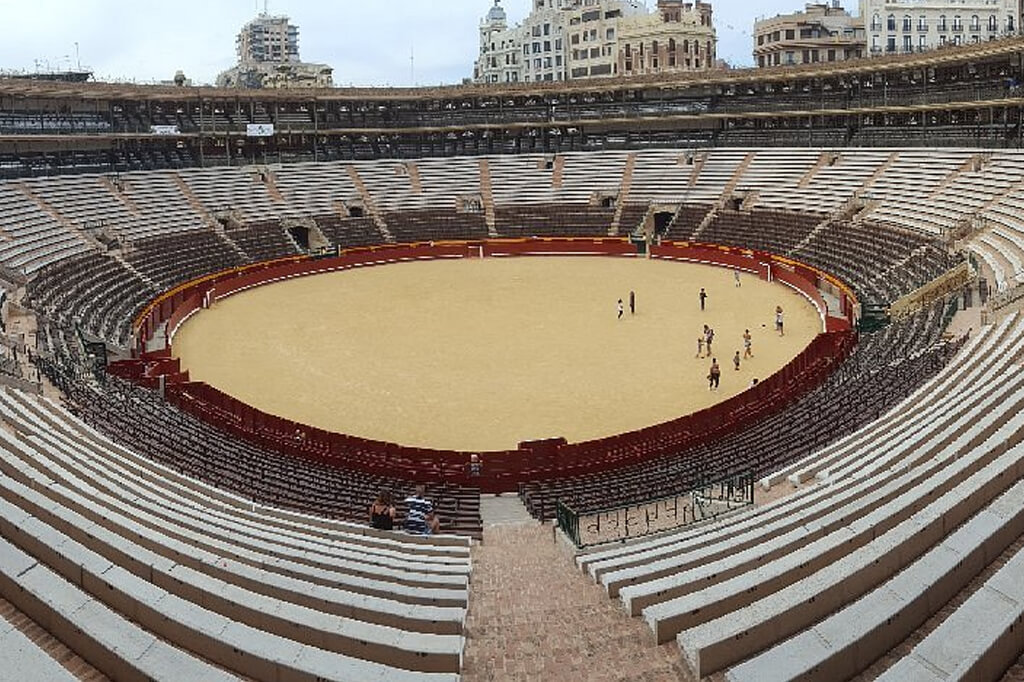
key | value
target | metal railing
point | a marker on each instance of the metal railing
(705, 501)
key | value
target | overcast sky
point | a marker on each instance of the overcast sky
(367, 43)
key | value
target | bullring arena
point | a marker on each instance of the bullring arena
(485, 354)
(219, 350)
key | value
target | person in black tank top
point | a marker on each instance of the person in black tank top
(382, 512)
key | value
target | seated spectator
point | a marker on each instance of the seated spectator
(433, 523)
(382, 512)
(419, 508)
(474, 465)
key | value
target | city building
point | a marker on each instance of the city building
(593, 33)
(576, 39)
(501, 49)
(821, 33)
(678, 36)
(916, 25)
(268, 57)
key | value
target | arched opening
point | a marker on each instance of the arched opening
(301, 236)
(662, 219)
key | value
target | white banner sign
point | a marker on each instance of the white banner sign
(164, 130)
(260, 130)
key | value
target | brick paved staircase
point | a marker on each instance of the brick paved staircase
(532, 616)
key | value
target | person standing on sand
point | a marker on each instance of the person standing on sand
(700, 346)
(747, 352)
(736, 277)
(778, 320)
(632, 303)
(703, 295)
(714, 374)
(619, 307)
(736, 361)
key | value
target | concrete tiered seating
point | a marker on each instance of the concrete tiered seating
(983, 637)
(262, 241)
(686, 221)
(315, 187)
(773, 231)
(887, 366)
(553, 220)
(765, 574)
(442, 180)
(1000, 244)
(661, 176)
(147, 541)
(96, 632)
(848, 641)
(31, 238)
(978, 355)
(435, 225)
(145, 422)
(996, 265)
(880, 264)
(85, 201)
(143, 205)
(521, 179)
(911, 178)
(182, 256)
(772, 169)
(717, 169)
(93, 290)
(584, 174)
(392, 185)
(163, 208)
(239, 190)
(829, 186)
(26, 660)
(420, 200)
(527, 200)
(631, 217)
(964, 195)
(349, 232)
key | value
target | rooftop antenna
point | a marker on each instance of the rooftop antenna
(412, 65)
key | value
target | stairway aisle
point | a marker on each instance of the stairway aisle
(533, 616)
(15, 624)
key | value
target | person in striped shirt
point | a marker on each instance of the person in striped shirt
(418, 509)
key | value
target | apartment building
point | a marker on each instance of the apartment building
(577, 39)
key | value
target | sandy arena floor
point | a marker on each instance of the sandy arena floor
(480, 355)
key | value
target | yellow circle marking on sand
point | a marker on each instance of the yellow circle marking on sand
(480, 355)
